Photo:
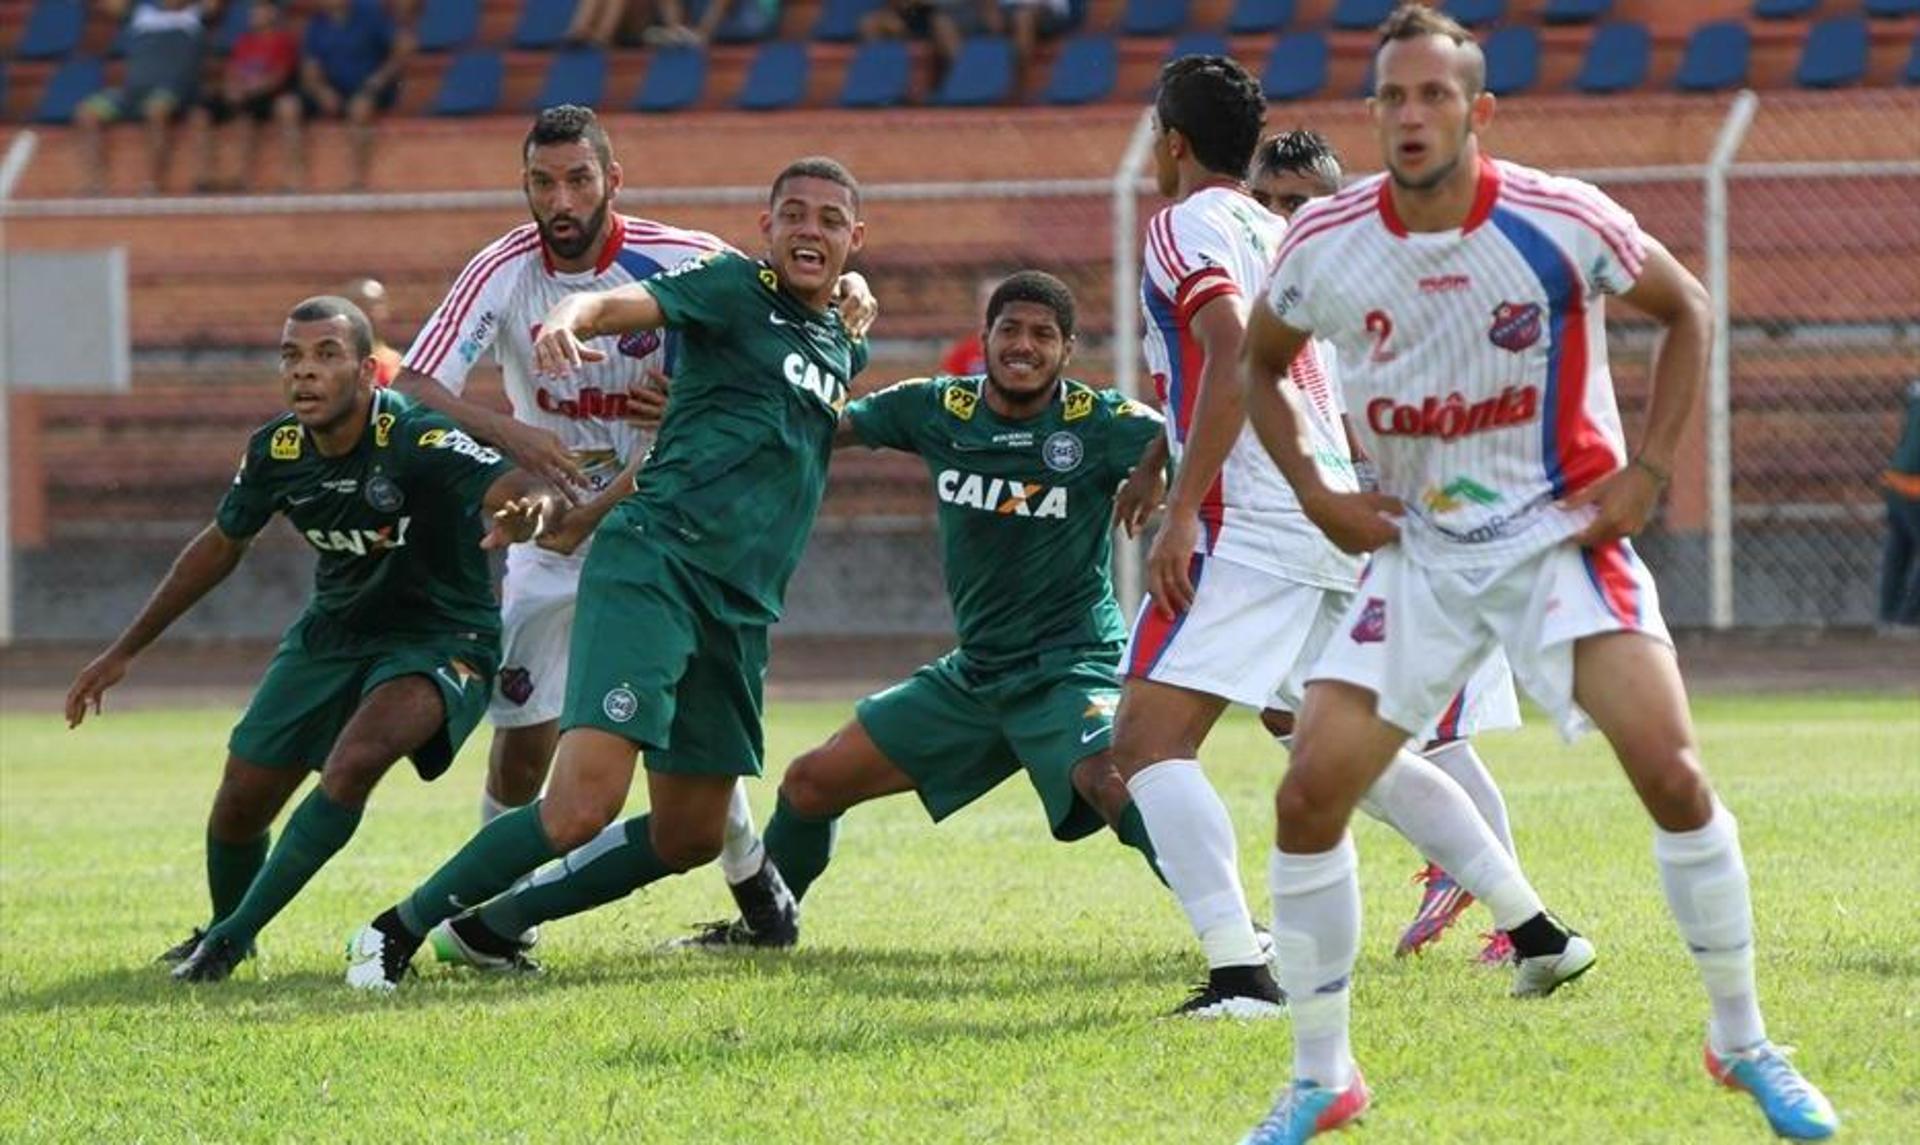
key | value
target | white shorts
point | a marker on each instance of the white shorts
(536, 619)
(1252, 638)
(1413, 633)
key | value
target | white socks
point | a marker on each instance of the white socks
(741, 853)
(1193, 839)
(1462, 765)
(491, 808)
(1316, 936)
(1417, 799)
(1706, 884)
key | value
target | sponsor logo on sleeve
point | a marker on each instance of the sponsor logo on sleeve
(960, 401)
(285, 443)
(382, 430)
(458, 441)
(1079, 404)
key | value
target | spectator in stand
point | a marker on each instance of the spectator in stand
(262, 67)
(350, 63)
(942, 23)
(370, 295)
(164, 41)
(1028, 22)
(1900, 566)
(597, 22)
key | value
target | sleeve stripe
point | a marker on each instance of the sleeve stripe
(1156, 245)
(1605, 216)
(460, 284)
(1171, 237)
(455, 312)
(1617, 238)
(1205, 289)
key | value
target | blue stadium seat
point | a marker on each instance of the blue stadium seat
(777, 77)
(78, 78)
(1892, 9)
(1617, 59)
(1835, 54)
(746, 21)
(1715, 57)
(53, 30)
(543, 23)
(1198, 44)
(1297, 67)
(1911, 76)
(447, 24)
(1084, 72)
(981, 75)
(877, 76)
(1513, 58)
(1364, 15)
(1476, 13)
(839, 20)
(1576, 11)
(1153, 17)
(577, 75)
(233, 21)
(1784, 9)
(675, 77)
(1257, 17)
(471, 85)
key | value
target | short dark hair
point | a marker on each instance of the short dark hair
(325, 307)
(1417, 21)
(1299, 152)
(1036, 286)
(816, 167)
(1217, 105)
(569, 123)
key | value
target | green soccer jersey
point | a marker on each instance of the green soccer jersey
(397, 522)
(735, 477)
(1025, 506)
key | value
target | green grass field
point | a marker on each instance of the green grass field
(974, 982)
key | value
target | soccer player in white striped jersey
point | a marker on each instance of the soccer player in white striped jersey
(1466, 297)
(581, 431)
(1289, 171)
(1245, 588)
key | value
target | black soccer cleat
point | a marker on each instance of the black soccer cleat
(213, 960)
(1235, 992)
(181, 951)
(768, 909)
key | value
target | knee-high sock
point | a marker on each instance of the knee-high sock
(1193, 839)
(512, 845)
(1417, 799)
(1464, 766)
(800, 847)
(611, 865)
(1706, 884)
(315, 832)
(741, 853)
(1316, 937)
(231, 869)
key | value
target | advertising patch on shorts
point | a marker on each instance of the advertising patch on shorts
(620, 705)
(1371, 628)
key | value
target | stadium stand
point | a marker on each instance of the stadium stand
(1835, 54)
(578, 75)
(1259, 17)
(447, 25)
(542, 24)
(1084, 72)
(471, 86)
(1784, 9)
(878, 75)
(982, 74)
(1360, 15)
(1197, 44)
(840, 19)
(1153, 17)
(1297, 67)
(1617, 59)
(78, 78)
(1513, 59)
(778, 77)
(1892, 9)
(1716, 58)
(1476, 13)
(53, 30)
(675, 78)
(1576, 11)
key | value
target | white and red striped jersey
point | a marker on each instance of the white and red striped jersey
(1475, 360)
(498, 303)
(1218, 242)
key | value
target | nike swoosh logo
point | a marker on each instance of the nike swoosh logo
(1089, 737)
(774, 317)
(458, 684)
(292, 501)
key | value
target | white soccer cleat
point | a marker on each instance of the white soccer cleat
(375, 962)
(1542, 974)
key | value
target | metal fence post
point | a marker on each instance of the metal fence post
(1719, 369)
(1127, 559)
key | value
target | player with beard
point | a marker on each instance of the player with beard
(582, 430)
(669, 646)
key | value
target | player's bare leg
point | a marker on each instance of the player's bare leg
(1629, 685)
(517, 765)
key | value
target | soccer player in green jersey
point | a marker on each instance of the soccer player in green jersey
(669, 643)
(396, 650)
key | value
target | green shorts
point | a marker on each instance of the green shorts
(667, 656)
(958, 731)
(321, 672)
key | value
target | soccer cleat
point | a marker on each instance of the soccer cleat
(1542, 974)
(212, 960)
(1306, 1110)
(1793, 1106)
(1235, 992)
(769, 917)
(181, 951)
(1443, 901)
(380, 954)
(467, 942)
(1498, 951)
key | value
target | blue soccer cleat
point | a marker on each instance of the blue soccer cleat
(1794, 1107)
(1306, 1110)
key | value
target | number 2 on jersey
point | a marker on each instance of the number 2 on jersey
(1381, 327)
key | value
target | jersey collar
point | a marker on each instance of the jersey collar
(1485, 191)
(616, 238)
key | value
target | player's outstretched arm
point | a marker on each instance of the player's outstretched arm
(578, 318)
(1218, 414)
(532, 448)
(206, 561)
(1669, 294)
(1356, 522)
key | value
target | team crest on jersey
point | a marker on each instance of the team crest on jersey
(1079, 405)
(1371, 628)
(382, 430)
(285, 443)
(640, 343)
(382, 494)
(1062, 452)
(960, 401)
(1516, 325)
(516, 684)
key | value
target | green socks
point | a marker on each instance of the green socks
(800, 847)
(1132, 830)
(614, 864)
(231, 868)
(505, 849)
(316, 830)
